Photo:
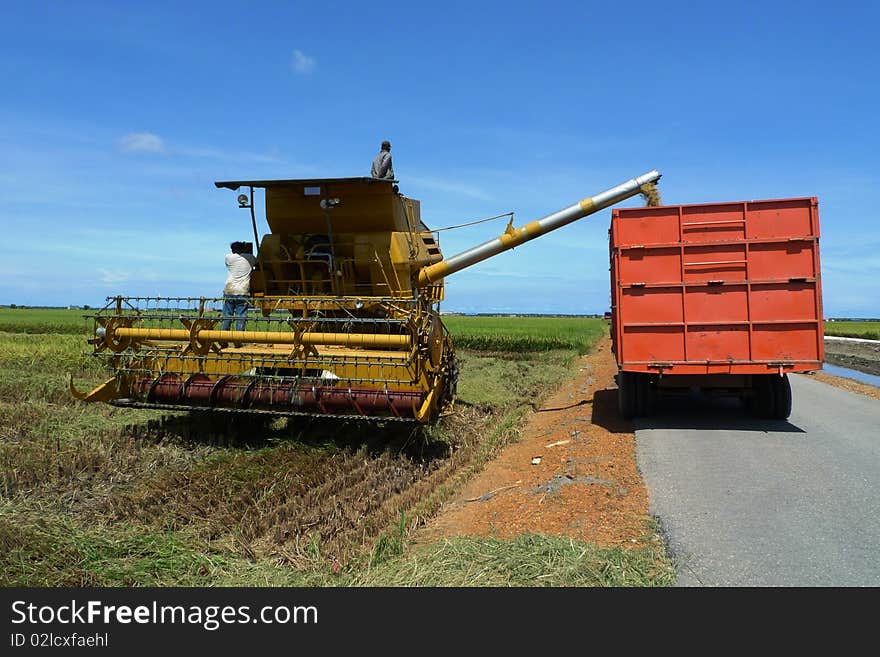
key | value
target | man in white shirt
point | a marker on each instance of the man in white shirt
(239, 264)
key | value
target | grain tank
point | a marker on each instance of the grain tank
(345, 321)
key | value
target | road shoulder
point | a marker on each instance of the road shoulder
(583, 484)
(847, 384)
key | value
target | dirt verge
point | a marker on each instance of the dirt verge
(848, 384)
(862, 356)
(572, 473)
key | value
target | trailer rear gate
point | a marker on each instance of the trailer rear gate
(721, 295)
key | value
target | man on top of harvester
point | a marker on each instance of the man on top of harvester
(382, 163)
(239, 264)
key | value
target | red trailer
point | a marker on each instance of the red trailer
(725, 297)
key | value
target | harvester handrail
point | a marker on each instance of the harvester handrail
(175, 316)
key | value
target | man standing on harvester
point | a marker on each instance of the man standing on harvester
(382, 167)
(239, 264)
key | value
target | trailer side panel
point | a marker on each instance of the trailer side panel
(722, 288)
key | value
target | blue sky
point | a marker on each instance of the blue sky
(117, 117)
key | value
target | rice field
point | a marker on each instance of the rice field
(43, 320)
(531, 334)
(865, 330)
(96, 495)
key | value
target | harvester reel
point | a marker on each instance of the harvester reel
(435, 342)
(197, 346)
(110, 340)
(303, 352)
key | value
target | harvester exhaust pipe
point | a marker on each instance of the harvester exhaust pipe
(513, 237)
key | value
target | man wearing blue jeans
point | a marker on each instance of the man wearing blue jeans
(239, 264)
(234, 305)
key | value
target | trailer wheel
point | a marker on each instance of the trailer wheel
(781, 387)
(644, 395)
(635, 396)
(626, 403)
(763, 400)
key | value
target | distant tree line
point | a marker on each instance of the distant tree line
(15, 306)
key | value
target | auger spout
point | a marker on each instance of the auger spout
(513, 237)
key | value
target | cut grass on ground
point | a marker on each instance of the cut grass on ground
(39, 549)
(36, 550)
(528, 560)
(95, 495)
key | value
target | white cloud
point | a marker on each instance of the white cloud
(302, 63)
(146, 142)
(112, 276)
(450, 186)
(216, 154)
(142, 142)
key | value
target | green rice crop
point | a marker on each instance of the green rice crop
(44, 320)
(482, 333)
(864, 330)
(519, 334)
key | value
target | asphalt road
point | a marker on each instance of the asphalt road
(748, 502)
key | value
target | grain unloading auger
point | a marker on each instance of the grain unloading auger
(348, 285)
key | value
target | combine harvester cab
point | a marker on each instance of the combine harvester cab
(347, 287)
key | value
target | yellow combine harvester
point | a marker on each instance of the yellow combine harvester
(347, 285)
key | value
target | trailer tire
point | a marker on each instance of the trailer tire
(763, 400)
(644, 395)
(635, 395)
(782, 397)
(626, 403)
